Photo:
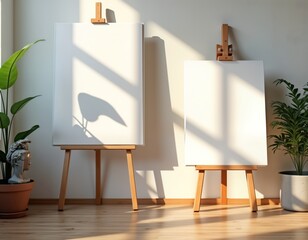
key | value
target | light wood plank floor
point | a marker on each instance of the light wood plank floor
(155, 222)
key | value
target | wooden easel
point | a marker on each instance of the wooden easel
(224, 53)
(97, 149)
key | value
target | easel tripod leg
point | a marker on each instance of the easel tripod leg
(66, 165)
(132, 179)
(199, 191)
(223, 187)
(251, 190)
(98, 199)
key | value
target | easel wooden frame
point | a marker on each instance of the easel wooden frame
(223, 186)
(224, 53)
(97, 149)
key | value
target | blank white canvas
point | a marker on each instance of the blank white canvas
(98, 91)
(225, 121)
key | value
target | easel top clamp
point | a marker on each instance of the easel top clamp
(224, 53)
(98, 19)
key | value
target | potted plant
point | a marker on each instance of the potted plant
(12, 194)
(291, 121)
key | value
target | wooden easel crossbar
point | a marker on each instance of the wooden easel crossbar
(98, 149)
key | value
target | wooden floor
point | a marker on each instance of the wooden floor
(156, 222)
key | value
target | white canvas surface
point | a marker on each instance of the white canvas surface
(98, 91)
(225, 120)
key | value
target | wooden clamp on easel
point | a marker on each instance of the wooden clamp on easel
(98, 19)
(224, 53)
(97, 149)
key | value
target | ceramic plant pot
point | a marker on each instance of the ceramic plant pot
(294, 191)
(14, 199)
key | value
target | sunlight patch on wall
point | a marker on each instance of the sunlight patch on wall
(180, 49)
(146, 177)
(176, 52)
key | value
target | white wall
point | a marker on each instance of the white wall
(6, 29)
(6, 35)
(274, 31)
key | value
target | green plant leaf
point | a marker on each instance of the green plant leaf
(4, 120)
(20, 104)
(23, 135)
(8, 71)
(291, 120)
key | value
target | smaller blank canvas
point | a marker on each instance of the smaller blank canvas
(225, 120)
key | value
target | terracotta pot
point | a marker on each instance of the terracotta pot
(14, 199)
(294, 191)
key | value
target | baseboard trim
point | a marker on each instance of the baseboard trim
(158, 201)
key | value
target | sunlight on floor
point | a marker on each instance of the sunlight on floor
(212, 222)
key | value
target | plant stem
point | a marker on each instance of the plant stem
(3, 171)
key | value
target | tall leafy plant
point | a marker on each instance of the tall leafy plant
(8, 77)
(291, 120)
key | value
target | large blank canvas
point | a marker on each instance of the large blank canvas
(98, 92)
(225, 120)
